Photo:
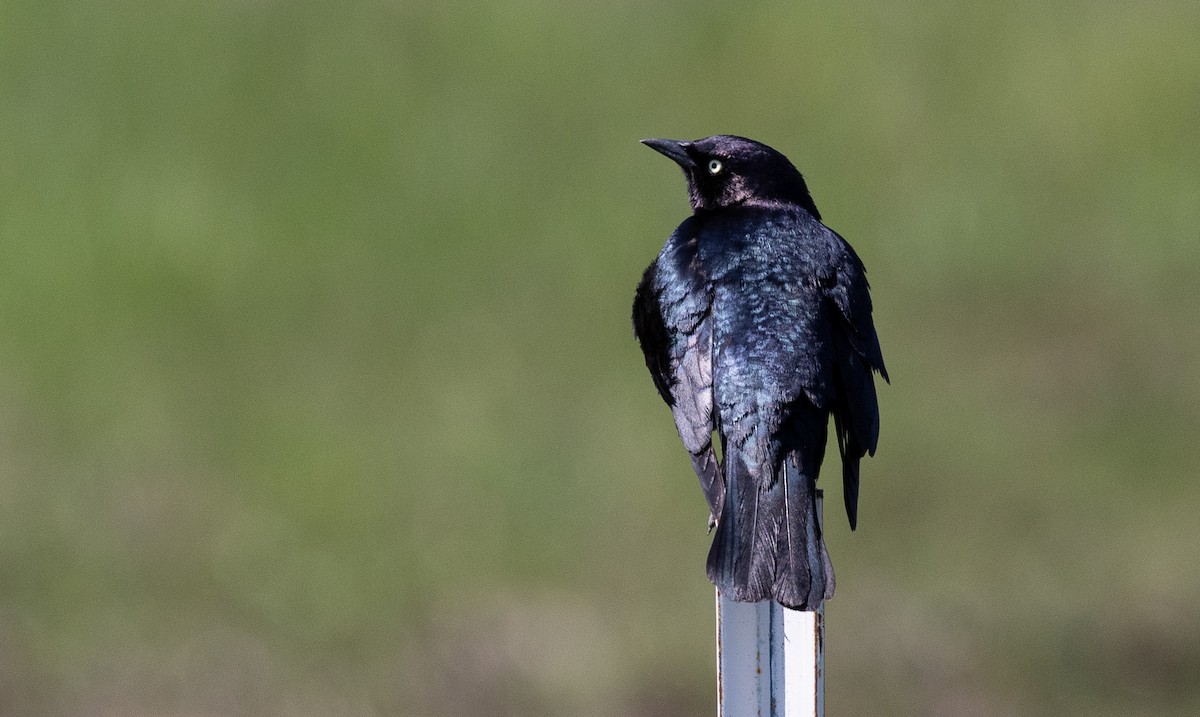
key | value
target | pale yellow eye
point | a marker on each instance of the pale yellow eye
(715, 166)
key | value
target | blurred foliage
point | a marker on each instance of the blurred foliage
(318, 393)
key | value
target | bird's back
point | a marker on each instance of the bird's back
(768, 268)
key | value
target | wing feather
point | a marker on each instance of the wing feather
(856, 356)
(671, 318)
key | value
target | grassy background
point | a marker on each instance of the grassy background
(318, 393)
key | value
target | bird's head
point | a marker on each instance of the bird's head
(726, 171)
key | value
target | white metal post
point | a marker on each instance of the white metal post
(770, 660)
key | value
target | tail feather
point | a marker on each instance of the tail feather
(768, 543)
(735, 564)
(805, 575)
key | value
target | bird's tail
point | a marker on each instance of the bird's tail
(768, 543)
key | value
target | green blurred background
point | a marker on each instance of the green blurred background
(318, 394)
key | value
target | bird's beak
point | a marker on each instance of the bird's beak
(674, 149)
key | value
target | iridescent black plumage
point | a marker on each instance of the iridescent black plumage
(755, 320)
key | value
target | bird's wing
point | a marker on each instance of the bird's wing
(671, 318)
(857, 354)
